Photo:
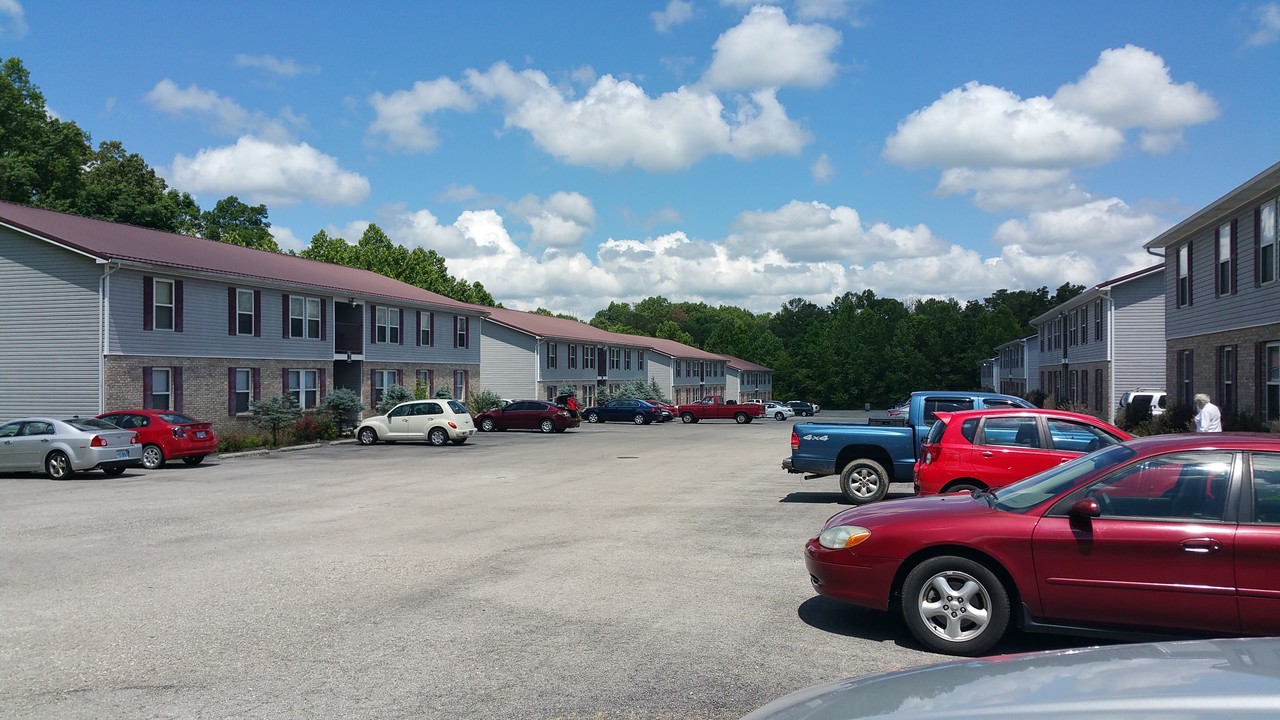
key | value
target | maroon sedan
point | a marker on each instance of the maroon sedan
(527, 415)
(978, 449)
(166, 435)
(1170, 534)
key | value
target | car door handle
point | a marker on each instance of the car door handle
(987, 453)
(1201, 545)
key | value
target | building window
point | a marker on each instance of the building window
(304, 387)
(462, 334)
(615, 359)
(164, 306)
(158, 384)
(388, 325)
(460, 384)
(553, 353)
(588, 395)
(382, 381)
(1268, 229)
(242, 390)
(1071, 329)
(427, 382)
(1097, 320)
(245, 312)
(573, 357)
(677, 366)
(1185, 378)
(1226, 398)
(1225, 276)
(588, 358)
(1184, 275)
(640, 360)
(426, 329)
(304, 318)
(1084, 325)
(626, 359)
(1271, 367)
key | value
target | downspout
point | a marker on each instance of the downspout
(537, 366)
(1111, 356)
(104, 321)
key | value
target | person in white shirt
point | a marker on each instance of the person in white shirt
(1208, 417)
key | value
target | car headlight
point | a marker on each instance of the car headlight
(843, 536)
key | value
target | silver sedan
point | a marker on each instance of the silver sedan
(61, 448)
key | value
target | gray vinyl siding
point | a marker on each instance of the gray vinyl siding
(1138, 335)
(51, 363)
(508, 362)
(408, 351)
(1249, 306)
(733, 388)
(660, 372)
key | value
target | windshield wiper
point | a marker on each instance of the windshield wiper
(986, 495)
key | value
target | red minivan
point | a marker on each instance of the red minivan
(977, 449)
(166, 435)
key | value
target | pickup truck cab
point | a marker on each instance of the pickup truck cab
(867, 458)
(713, 407)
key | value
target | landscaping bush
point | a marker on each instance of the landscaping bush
(240, 443)
(392, 397)
(275, 414)
(483, 401)
(342, 407)
(312, 427)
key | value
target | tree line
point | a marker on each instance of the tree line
(857, 349)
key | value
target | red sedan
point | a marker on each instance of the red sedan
(527, 415)
(166, 435)
(978, 449)
(1170, 534)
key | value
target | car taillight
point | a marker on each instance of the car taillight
(179, 432)
(134, 440)
(97, 441)
(932, 453)
(453, 425)
(795, 440)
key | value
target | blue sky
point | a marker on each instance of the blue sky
(571, 154)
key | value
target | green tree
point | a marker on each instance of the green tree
(236, 223)
(120, 186)
(274, 413)
(342, 406)
(40, 156)
(392, 397)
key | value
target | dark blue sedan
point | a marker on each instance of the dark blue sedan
(632, 410)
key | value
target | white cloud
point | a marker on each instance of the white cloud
(287, 241)
(823, 170)
(766, 51)
(1103, 229)
(985, 126)
(677, 12)
(225, 114)
(617, 124)
(814, 232)
(401, 114)
(273, 65)
(1002, 189)
(13, 20)
(1268, 31)
(562, 221)
(270, 173)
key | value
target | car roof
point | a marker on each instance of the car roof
(1206, 441)
(1046, 412)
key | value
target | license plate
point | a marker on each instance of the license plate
(199, 433)
(122, 454)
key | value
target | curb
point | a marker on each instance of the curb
(288, 448)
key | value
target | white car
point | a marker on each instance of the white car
(1155, 399)
(779, 411)
(438, 421)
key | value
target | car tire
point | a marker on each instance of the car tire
(779, 416)
(955, 605)
(113, 471)
(367, 436)
(487, 425)
(438, 437)
(193, 459)
(963, 486)
(741, 418)
(547, 425)
(864, 481)
(58, 466)
(459, 441)
(152, 457)
(640, 419)
(593, 418)
(688, 418)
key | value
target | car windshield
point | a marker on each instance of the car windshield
(90, 424)
(1026, 494)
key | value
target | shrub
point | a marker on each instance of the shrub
(240, 443)
(275, 413)
(1177, 419)
(1244, 421)
(444, 393)
(342, 407)
(392, 397)
(313, 427)
(1035, 397)
(483, 401)
(634, 389)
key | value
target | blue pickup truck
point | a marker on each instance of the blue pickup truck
(869, 457)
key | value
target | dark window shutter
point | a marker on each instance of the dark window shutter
(1257, 247)
(417, 334)
(323, 389)
(400, 378)
(257, 313)
(1235, 254)
(455, 331)
(400, 324)
(177, 389)
(431, 323)
(231, 391)
(373, 324)
(1190, 275)
(146, 388)
(148, 302)
(324, 319)
(1259, 380)
(1217, 260)
(284, 381)
(284, 315)
(177, 306)
(231, 311)
(257, 384)
(373, 389)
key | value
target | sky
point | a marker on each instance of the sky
(571, 154)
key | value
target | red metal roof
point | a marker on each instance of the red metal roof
(110, 241)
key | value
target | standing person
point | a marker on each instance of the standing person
(1208, 417)
(572, 405)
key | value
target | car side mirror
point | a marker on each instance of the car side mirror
(1085, 508)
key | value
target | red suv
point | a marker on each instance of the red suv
(166, 435)
(977, 449)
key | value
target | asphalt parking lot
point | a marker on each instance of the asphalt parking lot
(610, 572)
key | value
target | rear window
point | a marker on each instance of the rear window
(178, 418)
(935, 432)
(90, 424)
(969, 429)
(458, 407)
(935, 405)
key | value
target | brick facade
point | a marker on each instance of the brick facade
(1207, 374)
